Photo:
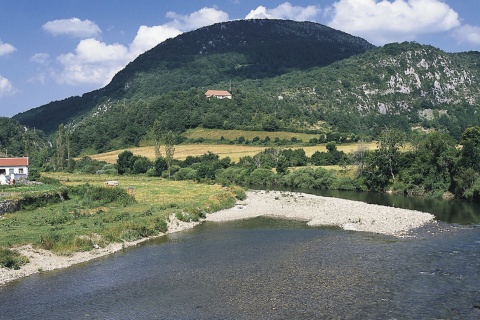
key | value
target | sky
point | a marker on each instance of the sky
(54, 49)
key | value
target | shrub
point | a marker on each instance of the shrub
(239, 192)
(262, 176)
(83, 243)
(49, 240)
(97, 196)
(141, 165)
(47, 180)
(185, 174)
(11, 259)
(159, 224)
(33, 174)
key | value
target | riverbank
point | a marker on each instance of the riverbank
(326, 211)
(315, 210)
(44, 260)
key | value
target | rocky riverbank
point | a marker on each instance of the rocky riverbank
(325, 211)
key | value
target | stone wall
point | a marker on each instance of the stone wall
(7, 206)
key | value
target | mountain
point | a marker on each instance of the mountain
(400, 84)
(283, 75)
(229, 51)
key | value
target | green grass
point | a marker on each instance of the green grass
(12, 192)
(216, 134)
(96, 216)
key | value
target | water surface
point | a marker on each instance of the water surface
(265, 269)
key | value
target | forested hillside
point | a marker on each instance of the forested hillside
(209, 57)
(17, 140)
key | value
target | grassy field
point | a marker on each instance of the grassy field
(235, 152)
(83, 222)
(216, 134)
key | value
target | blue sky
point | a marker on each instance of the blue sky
(53, 49)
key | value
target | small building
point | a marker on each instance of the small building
(219, 94)
(18, 167)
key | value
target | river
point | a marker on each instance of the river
(267, 269)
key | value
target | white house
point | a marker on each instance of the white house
(219, 94)
(18, 167)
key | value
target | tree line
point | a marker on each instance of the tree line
(432, 164)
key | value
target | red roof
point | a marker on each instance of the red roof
(215, 93)
(14, 162)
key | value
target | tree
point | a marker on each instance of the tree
(60, 148)
(470, 153)
(70, 160)
(141, 165)
(125, 162)
(160, 165)
(157, 136)
(389, 144)
(381, 166)
(432, 166)
(169, 150)
(331, 146)
(359, 157)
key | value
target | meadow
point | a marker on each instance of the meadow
(93, 215)
(217, 134)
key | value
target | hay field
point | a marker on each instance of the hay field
(235, 152)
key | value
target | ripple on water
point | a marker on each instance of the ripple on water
(269, 269)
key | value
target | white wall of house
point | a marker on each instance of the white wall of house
(14, 170)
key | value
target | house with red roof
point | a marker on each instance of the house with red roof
(15, 168)
(219, 94)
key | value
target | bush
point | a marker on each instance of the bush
(239, 192)
(233, 175)
(262, 176)
(185, 174)
(33, 174)
(47, 180)
(11, 259)
(141, 165)
(98, 196)
(49, 240)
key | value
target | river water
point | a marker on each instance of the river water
(266, 269)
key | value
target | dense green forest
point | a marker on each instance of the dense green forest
(18, 141)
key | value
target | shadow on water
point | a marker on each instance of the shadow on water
(451, 211)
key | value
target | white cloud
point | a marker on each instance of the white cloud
(73, 27)
(93, 63)
(6, 48)
(149, 37)
(393, 20)
(6, 87)
(197, 19)
(285, 11)
(41, 58)
(467, 34)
